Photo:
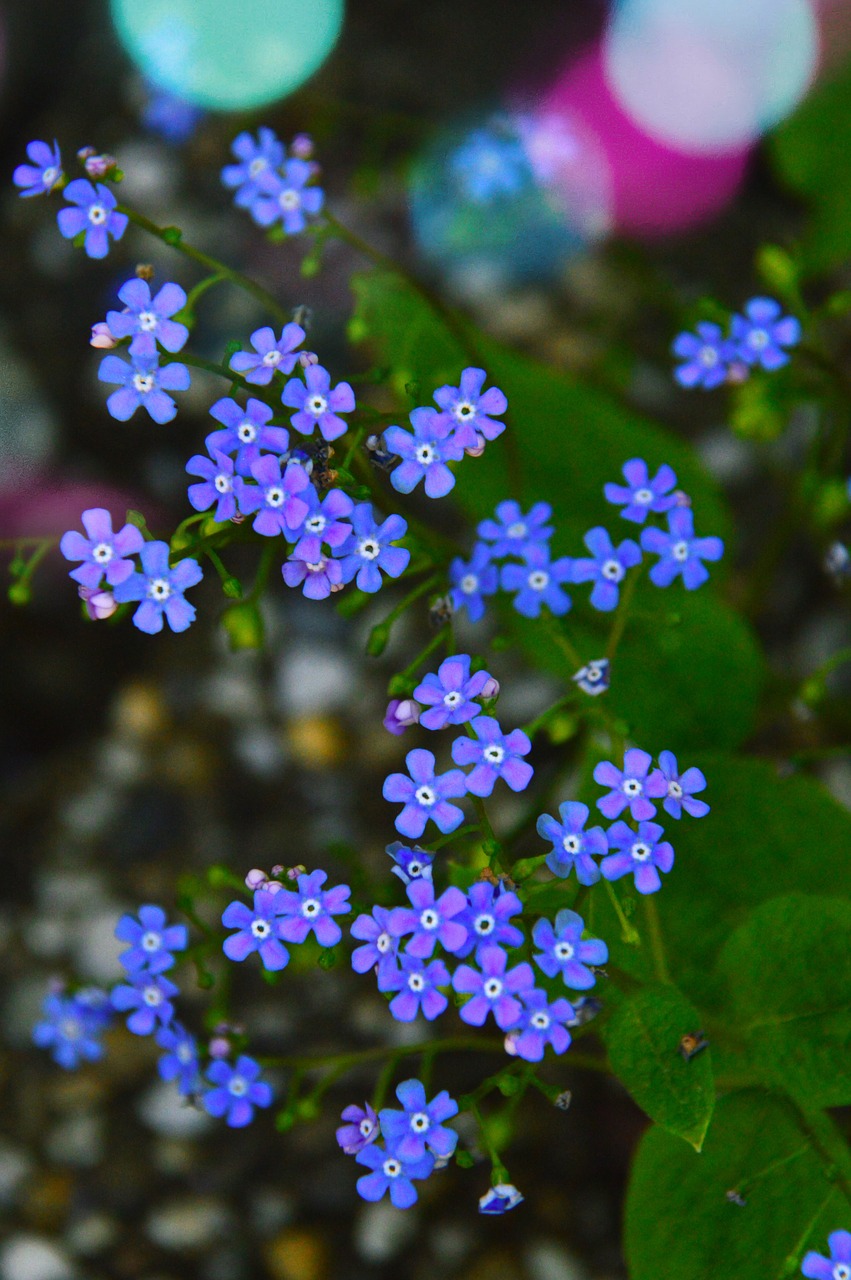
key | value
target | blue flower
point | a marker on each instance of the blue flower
(420, 1125)
(246, 432)
(324, 524)
(538, 583)
(486, 918)
(286, 197)
(417, 984)
(594, 678)
(380, 945)
(160, 589)
(238, 1090)
(170, 116)
(277, 496)
(217, 487)
(573, 846)
(680, 552)
(41, 176)
(430, 920)
(320, 577)
(411, 864)
(103, 552)
(260, 929)
(180, 1062)
(148, 996)
(312, 908)
(390, 1172)
(142, 383)
(642, 495)
(837, 1266)
(493, 990)
(681, 788)
(149, 318)
(513, 533)
(473, 581)
(270, 354)
(254, 160)
(424, 454)
(642, 855)
(541, 1024)
(761, 334)
(707, 356)
(72, 1026)
(490, 163)
(500, 1199)
(93, 212)
(607, 569)
(152, 940)
(562, 950)
(449, 694)
(317, 404)
(493, 754)
(362, 1129)
(467, 410)
(630, 786)
(425, 796)
(369, 548)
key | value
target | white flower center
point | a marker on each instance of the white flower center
(261, 928)
(758, 339)
(463, 411)
(49, 176)
(453, 698)
(368, 548)
(383, 943)
(563, 951)
(289, 199)
(425, 796)
(680, 551)
(271, 358)
(315, 524)
(152, 997)
(674, 789)
(640, 851)
(613, 570)
(415, 869)
(310, 908)
(71, 1029)
(246, 432)
(237, 1087)
(102, 553)
(257, 166)
(643, 496)
(539, 580)
(143, 382)
(365, 1127)
(147, 321)
(97, 214)
(484, 925)
(184, 1053)
(424, 455)
(469, 584)
(391, 1168)
(517, 530)
(842, 1271)
(493, 988)
(540, 1021)
(275, 497)
(419, 1122)
(708, 357)
(317, 568)
(494, 754)
(222, 483)
(593, 675)
(571, 844)
(151, 941)
(416, 982)
(159, 589)
(632, 787)
(429, 919)
(317, 405)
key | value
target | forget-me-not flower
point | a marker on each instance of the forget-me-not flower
(152, 940)
(493, 754)
(563, 950)
(680, 552)
(469, 411)
(150, 318)
(245, 432)
(761, 335)
(425, 795)
(424, 453)
(472, 581)
(40, 176)
(574, 847)
(420, 1126)
(160, 590)
(237, 1090)
(538, 582)
(641, 495)
(259, 928)
(103, 552)
(450, 692)
(368, 550)
(492, 989)
(143, 382)
(642, 855)
(93, 211)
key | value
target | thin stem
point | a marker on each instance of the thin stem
(629, 933)
(622, 615)
(434, 643)
(200, 289)
(471, 828)
(267, 559)
(533, 726)
(452, 1044)
(657, 945)
(564, 643)
(499, 1173)
(212, 366)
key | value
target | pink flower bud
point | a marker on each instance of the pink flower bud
(401, 714)
(85, 152)
(99, 166)
(256, 879)
(683, 500)
(99, 604)
(278, 869)
(490, 688)
(102, 337)
(737, 373)
(299, 870)
(307, 358)
(219, 1047)
(273, 886)
(480, 447)
(302, 146)
(511, 1043)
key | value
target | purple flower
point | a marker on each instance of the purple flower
(362, 1129)
(538, 582)
(513, 533)
(562, 950)
(486, 916)
(473, 581)
(320, 577)
(71, 1026)
(312, 908)
(681, 788)
(641, 494)
(500, 1199)
(180, 1061)
(679, 551)
(541, 1023)
(151, 940)
(380, 946)
(238, 1091)
(317, 404)
(493, 990)
(706, 356)
(493, 754)
(41, 176)
(93, 212)
(431, 919)
(254, 160)
(629, 787)
(594, 678)
(390, 1172)
(150, 318)
(417, 984)
(160, 589)
(607, 569)
(400, 715)
(368, 549)
(837, 1266)
(449, 694)
(760, 335)
(411, 864)
(420, 1124)
(287, 197)
(149, 996)
(260, 929)
(467, 409)
(424, 795)
(245, 432)
(424, 453)
(270, 354)
(573, 846)
(642, 855)
(143, 382)
(103, 552)
(217, 487)
(275, 497)
(325, 523)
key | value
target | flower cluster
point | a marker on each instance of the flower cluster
(280, 915)
(146, 322)
(757, 339)
(275, 185)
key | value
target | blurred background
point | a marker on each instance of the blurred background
(577, 177)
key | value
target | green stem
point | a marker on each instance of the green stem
(407, 675)
(622, 615)
(533, 726)
(211, 366)
(200, 289)
(657, 945)
(629, 933)
(268, 556)
(452, 1044)
(470, 829)
(567, 647)
(499, 1173)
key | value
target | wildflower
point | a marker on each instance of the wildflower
(417, 984)
(238, 1090)
(254, 160)
(411, 864)
(324, 523)
(760, 335)
(642, 855)
(276, 496)
(312, 909)
(679, 551)
(837, 1266)
(562, 950)
(573, 846)
(424, 453)
(180, 1062)
(103, 552)
(430, 920)
(681, 788)
(317, 404)
(92, 211)
(148, 996)
(287, 197)
(467, 410)
(43, 173)
(259, 929)
(607, 568)
(143, 382)
(473, 581)
(420, 1125)
(486, 918)
(400, 715)
(493, 754)
(217, 487)
(320, 577)
(538, 583)
(630, 787)
(151, 940)
(425, 796)
(512, 533)
(500, 1199)
(390, 1172)
(270, 354)
(493, 990)
(71, 1026)
(369, 549)
(362, 1129)
(541, 1024)
(246, 432)
(449, 694)
(641, 495)
(706, 355)
(491, 163)
(594, 677)
(380, 945)
(150, 318)
(160, 589)
(99, 605)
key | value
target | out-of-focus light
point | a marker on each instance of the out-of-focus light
(710, 75)
(655, 189)
(509, 199)
(228, 55)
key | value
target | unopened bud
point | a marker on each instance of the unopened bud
(144, 271)
(278, 869)
(302, 146)
(219, 1047)
(99, 166)
(307, 358)
(255, 879)
(99, 604)
(400, 715)
(479, 448)
(490, 689)
(298, 870)
(102, 337)
(85, 152)
(737, 373)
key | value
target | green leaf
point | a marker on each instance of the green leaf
(681, 1223)
(789, 973)
(643, 1036)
